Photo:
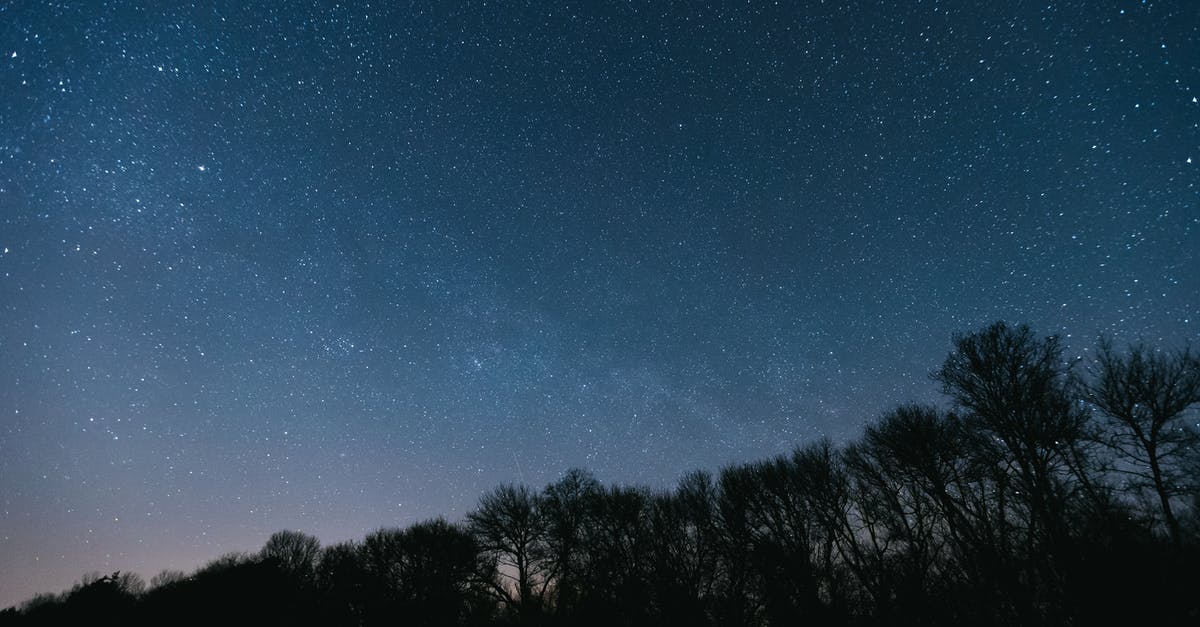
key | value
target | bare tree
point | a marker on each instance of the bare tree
(294, 552)
(1012, 386)
(900, 523)
(736, 601)
(933, 490)
(686, 549)
(1144, 396)
(508, 527)
(167, 577)
(343, 579)
(565, 507)
(439, 572)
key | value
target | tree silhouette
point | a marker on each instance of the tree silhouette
(1144, 395)
(564, 508)
(167, 578)
(438, 572)
(293, 552)
(737, 602)
(344, 583)
(998, 512)
(898, 471)
(112, 597)
(510, 529)
(617, 542)
(684, 571)
(919, 474)
(1012, 386)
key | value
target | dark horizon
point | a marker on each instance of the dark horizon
(1031, 501)
(332, 268)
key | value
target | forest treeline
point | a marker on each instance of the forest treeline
(1048, 494)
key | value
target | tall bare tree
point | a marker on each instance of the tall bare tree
(1012, 386)
(1144, 396)
(565, 507)
(509, 527)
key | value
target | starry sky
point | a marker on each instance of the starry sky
(333, 267)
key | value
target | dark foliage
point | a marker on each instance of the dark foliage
(1040, 498)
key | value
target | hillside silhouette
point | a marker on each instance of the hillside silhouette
(1048, 494)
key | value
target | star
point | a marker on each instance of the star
(446, 249)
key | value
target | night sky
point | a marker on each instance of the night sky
(336, 267)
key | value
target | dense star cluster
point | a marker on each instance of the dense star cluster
(335, 266)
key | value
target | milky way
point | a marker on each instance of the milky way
(336, 267)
